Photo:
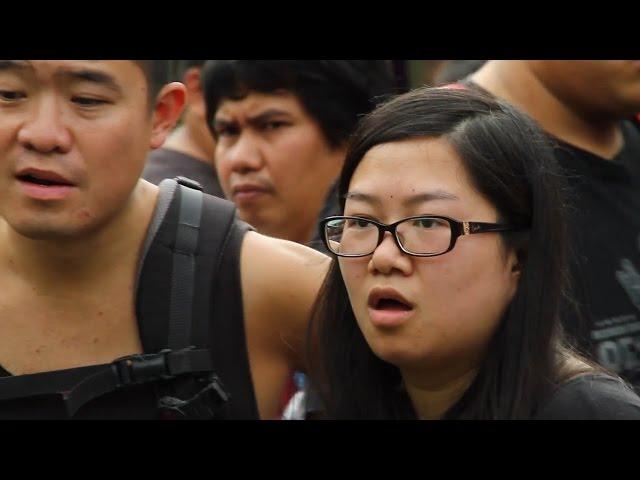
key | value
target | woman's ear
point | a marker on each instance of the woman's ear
(166, 112)
(513, 272)
(517, 259)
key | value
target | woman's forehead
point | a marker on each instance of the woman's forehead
(410, 167)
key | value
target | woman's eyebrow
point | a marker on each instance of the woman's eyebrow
(362, 197)
(409, 201)
(429, 196)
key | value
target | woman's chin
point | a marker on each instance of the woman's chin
(401, 356)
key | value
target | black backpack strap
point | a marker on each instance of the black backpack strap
(77, 387)
(195, 266)
(180, 357)
(135, 370)
(184, 267)
(166, 191)
(40, 384)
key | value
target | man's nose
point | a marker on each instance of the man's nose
(45, 130)
(245, 154)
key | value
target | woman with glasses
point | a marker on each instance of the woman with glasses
(445, 295)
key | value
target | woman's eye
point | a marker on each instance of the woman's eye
(358, 223)
(11, 95)
(426, 223)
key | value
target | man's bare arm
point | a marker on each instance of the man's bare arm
(280, 283)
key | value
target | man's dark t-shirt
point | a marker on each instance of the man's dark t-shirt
(604, 242)
(604, 233)
(166, 163)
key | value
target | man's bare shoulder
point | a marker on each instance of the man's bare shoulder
(286, 256)
(282, 273)
(280, 283)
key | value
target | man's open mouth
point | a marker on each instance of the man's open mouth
(43, 178)
(42, 181)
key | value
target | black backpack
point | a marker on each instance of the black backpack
(190, 239)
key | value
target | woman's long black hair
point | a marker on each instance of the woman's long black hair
(511, 163)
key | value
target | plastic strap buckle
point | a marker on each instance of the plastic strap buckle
(139, 368)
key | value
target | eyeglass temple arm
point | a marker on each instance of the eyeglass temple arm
(469, 228)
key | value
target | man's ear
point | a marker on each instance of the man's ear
(195, 97)
(166, 112)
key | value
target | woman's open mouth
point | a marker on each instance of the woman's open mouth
(388, 308)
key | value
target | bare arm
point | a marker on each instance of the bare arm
(280, 282)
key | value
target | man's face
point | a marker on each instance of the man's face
(274, 163)
(73, 140)
(609, 88)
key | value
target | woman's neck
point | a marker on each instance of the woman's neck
(433, 395)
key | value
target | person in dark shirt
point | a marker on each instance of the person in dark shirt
(445, 296)
(189, 150)
(590, 109)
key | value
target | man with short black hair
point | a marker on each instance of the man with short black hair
(110, 304)
(190, 149)
(282, 130)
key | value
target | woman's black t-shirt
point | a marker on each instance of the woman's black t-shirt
(596, 396)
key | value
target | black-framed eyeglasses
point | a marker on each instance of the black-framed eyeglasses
(420, 236)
